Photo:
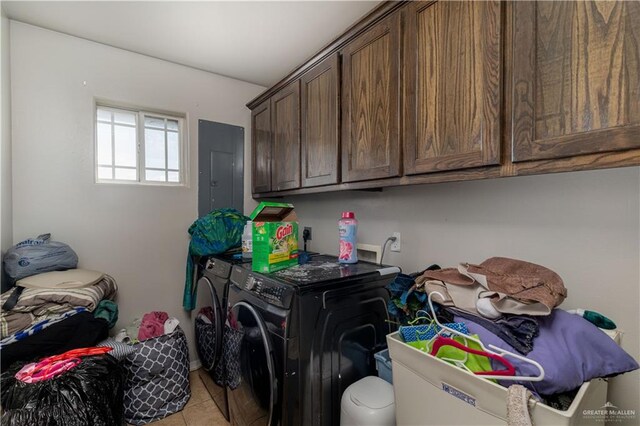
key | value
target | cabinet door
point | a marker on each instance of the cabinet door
(320, 123)
(261, 147)
(370, 103)
(452, 80)
(576, 78)
(285, 121)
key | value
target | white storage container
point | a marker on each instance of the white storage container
(368, 402)
(429, 391)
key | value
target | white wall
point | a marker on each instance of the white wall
(138, 234)
(583, 225)
(6, 225)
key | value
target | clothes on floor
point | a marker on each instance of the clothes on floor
(78, 331)
(35, 305)
(39, 326)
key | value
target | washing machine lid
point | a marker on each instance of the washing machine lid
(371, 392)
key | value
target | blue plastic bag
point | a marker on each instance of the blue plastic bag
(38, 255)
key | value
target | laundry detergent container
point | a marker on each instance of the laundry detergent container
(368, 402)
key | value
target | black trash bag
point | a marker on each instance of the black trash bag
(90, 394)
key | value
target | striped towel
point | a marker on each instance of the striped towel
(39, 326)
(37, 304)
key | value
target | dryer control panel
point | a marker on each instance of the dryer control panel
(271, 291)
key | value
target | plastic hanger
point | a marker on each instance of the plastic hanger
(494, 349)
(421, 315)
(460, 363)
(447, 341)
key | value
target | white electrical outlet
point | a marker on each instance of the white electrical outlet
(397, 244)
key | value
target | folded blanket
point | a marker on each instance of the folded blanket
(35, 305)
(39, 326)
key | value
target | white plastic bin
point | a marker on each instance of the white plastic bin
(429, 391)
(368, 402)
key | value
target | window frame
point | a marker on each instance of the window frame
(140, 114)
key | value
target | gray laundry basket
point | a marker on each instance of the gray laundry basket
(156, 378)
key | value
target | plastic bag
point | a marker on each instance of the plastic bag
(38, 255)
(89, 394)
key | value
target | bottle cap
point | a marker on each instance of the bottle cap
(348, 215)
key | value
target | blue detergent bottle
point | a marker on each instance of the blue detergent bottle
(348, 229)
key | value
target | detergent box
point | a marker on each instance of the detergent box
(275, 237)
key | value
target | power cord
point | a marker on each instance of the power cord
(392, 239)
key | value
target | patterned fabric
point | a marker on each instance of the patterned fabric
(229, 371)
(205, 341)
(119, 350)
(38, 327)
(37, 304)
(157, 378)
(217, 232)
(415, 333)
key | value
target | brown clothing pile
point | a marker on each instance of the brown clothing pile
(509, 282)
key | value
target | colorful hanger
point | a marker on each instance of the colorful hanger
(496, 350)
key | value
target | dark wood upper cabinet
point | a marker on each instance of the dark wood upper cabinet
(439, 91)
(261, 147)
(452, 81)
(285, 124)
(576, 78)
(370, 103)
(320, 123)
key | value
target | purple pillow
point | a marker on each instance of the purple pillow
(570, 349)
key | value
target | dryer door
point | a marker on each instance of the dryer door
(253, 386)
(209, 324)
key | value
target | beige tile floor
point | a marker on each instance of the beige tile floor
(199, 411)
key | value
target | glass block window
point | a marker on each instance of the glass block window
(138, 147)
